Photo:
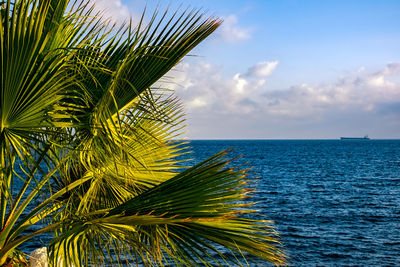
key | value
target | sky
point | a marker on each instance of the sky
(288, 69)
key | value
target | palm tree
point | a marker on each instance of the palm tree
(89, 150)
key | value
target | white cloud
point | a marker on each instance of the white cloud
(362, 93)
(245, 106)
(113, 10)
(240, 85)
(380, 78)
(230, 32)
(262, 69)
(204, 88)
(377, 80)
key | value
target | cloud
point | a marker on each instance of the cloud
(244, 105)
(206, 92)
(203, 87)
(113, 10)
(262, 69)
(380, 78)
(354, 92)
(230, 31)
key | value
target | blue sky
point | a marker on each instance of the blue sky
(290, 69)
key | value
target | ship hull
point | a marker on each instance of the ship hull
(354, 138)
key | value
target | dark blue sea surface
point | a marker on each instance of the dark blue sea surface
(335, 203)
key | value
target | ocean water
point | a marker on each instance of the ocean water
(335, 203)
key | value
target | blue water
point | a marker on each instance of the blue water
(335, 203)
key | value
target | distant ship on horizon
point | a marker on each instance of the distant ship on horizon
(355, 138)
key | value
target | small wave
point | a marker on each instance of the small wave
(337, 255)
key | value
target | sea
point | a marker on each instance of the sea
(334, 203)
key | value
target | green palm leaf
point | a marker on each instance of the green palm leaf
(181, 220)
(84, 129)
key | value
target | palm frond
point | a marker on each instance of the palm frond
(182, 220)
(83, 128)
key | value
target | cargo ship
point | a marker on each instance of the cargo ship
(355, 138)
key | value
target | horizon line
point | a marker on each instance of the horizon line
(272, 139)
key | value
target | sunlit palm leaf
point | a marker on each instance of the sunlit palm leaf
(182, 220)
(82, 128)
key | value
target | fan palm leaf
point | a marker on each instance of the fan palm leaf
(84, 129)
